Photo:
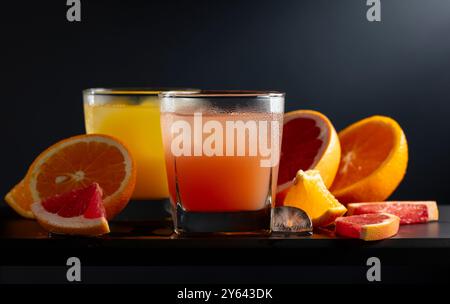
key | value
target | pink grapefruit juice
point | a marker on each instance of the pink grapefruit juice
(221, 183)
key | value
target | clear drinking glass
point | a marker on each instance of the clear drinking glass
(133, 116)
(222, 151)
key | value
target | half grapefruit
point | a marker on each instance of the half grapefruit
(309, 142)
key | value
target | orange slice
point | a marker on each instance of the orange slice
(309, 142)
(373, 161)
(310, 194)
(368, 227)
(82, 160)
(19, 198)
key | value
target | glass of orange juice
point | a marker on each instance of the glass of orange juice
(222, 150)
(133, 116)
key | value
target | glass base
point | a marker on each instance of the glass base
(223, 223)
(146, 210)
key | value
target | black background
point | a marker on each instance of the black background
(324, 54)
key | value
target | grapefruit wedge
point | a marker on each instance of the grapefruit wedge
(309, 142)
(408, 212)
(368, 227)
(77, 212)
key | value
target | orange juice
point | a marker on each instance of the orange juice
(138, 126)
(220, 183)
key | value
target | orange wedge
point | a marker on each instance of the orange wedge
(77, 162)
(309, 142)
(373, 160)
(310, 194)
(19, 198)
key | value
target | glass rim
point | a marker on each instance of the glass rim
(136, 90)
(221, 94)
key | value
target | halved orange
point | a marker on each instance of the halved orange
(309, 142)
(75, 163)
(373, 162)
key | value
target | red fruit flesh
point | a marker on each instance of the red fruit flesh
(95, 209)
(85, 201)
(408, 212)
(300, 134)
(352, 226)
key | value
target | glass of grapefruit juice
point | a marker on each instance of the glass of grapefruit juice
(222, 152)
(133, 116)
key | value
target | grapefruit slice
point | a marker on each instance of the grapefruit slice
(310, 194)
(79, 161)
(408, 212)
(368, 227)
(373, 161)
(77, 212)
(309, 142)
